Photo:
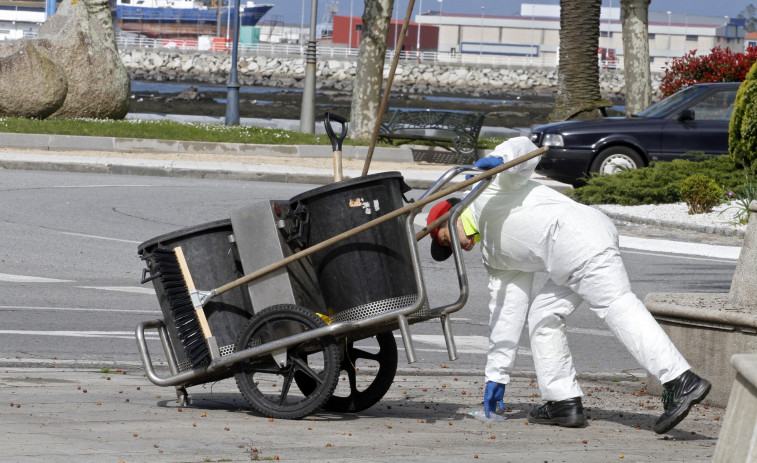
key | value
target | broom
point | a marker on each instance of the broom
(188, 313)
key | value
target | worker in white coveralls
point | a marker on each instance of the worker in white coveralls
(525, 227)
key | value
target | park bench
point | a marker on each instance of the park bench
(461, 129)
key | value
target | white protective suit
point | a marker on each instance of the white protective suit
(527, 227)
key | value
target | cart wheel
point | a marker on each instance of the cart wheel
(351, 397)
(266, 385)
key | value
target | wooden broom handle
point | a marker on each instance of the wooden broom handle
(395, 213)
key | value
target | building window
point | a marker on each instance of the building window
(651, 36)
(692, 38)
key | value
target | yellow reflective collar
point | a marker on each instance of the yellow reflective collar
(469, 226)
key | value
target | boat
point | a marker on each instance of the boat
(184, 18)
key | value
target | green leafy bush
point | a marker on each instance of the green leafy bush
(701, 193)
(742, 131)
(660, 183)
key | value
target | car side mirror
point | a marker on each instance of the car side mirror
(686, 115)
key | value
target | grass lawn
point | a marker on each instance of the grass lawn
(169, 130)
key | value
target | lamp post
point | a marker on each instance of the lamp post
(481, 39)
(349, 46)
(441, 5)
(232, 95)
(418, 40)
(302, 25)
(533, 14)
(307, 112)
(668, 33)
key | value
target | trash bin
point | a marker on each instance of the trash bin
(369, 273)
(212, 260)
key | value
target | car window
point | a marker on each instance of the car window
(717, 106)
(662, 108)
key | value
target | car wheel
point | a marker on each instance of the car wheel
(616, 159)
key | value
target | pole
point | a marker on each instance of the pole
(349, 46)
(232, 98)
(418, 40)
(441, 6)
(49, 8)
(481, 39)
(307, 113)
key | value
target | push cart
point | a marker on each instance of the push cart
(279, 294)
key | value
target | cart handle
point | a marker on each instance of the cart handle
(395, 213)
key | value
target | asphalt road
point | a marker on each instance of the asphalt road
(70, 273)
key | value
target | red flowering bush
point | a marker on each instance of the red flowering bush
(721, 65)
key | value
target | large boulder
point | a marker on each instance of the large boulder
(31, 84)
(98, 85)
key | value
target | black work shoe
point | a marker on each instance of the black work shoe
(678, 397)
(568, 413)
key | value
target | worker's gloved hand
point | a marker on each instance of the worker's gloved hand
(486, 164)
(494, 395)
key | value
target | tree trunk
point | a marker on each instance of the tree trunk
(634, 14)
(578, 94)
(366, 92)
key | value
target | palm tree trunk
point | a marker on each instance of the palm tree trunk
(578, 94)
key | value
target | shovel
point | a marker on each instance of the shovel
(336, 142)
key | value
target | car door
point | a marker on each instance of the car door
(706, 132)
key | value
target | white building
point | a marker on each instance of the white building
(535, 33)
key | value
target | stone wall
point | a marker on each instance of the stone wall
(410, 77)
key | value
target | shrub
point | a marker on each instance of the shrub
(742, 131)
(660, 183)
(720, 65)
(701, 193)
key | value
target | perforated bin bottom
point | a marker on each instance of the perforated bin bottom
(380, 307)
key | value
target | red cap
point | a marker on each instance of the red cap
(439, 252)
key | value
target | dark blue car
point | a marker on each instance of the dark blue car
(692, 120)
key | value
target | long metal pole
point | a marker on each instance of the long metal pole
(307, 113)
(232, 98)
(418, 40)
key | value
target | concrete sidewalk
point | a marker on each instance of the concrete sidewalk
(88, 415)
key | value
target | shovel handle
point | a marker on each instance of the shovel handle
(336, 142)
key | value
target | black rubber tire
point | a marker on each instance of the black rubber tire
(628, 157)
(358, 400)
(256, 373)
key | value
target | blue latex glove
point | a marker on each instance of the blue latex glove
(486, 164)
(494, 395)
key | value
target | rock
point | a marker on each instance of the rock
(31, 85)
(98, 84)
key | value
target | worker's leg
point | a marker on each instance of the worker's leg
(549, 343)
(603, 283)
(510, 295)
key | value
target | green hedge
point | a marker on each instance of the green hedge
(660, 183)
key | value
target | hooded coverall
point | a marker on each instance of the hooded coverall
(526, 227)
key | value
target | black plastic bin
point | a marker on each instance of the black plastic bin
(368, 273)
(212, 260)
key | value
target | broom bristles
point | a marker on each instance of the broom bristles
(180, 304)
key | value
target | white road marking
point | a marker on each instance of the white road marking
(659, 246)
(77, 309)
(80, 334)
(680, 247)
(29, 279)
(123, 289)
(101, 237)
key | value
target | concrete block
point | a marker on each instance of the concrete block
(707, 333)
(197, 147)
(25, 140)
(319, 151)
(77, 143)
(743, 291)
(269, 150)
(139, 145)
(738, 435)
(401, 154)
